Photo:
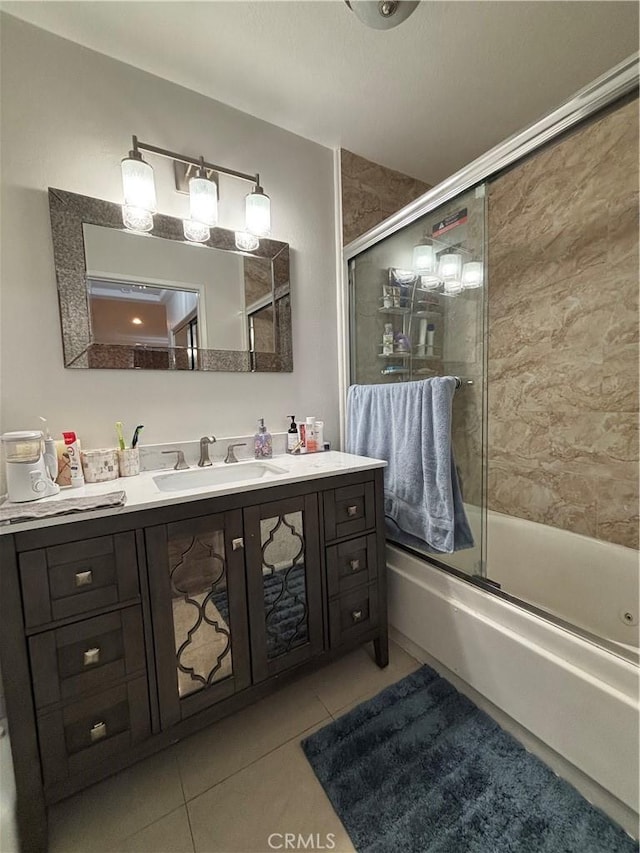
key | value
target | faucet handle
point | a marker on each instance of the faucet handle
(180, 465)
(231, 456)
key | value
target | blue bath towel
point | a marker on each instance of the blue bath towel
(409, 425)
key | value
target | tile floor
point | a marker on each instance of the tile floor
(230, 786)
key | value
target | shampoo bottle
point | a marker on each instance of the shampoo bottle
(387, 339)
(262, 442)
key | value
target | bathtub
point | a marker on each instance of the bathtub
(577, 698)
(586, 583)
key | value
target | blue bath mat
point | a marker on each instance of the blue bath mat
(420, 769)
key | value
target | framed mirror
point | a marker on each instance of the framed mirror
(158, 302)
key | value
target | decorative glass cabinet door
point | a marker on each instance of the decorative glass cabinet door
(198, 597)
(283, 578)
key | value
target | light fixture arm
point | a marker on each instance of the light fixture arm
(200, 162)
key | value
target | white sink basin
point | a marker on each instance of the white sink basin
(217, 476)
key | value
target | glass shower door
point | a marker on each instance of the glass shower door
(417, 310)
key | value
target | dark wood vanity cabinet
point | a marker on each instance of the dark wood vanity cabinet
(125, 633)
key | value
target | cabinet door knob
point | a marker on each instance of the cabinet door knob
(352, 510)
(355, 565)
(91, 656)
(356, 615)
(237, 544)
(98, 731)
(84, 578)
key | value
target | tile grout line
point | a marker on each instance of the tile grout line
(255, 760)
(184, 803)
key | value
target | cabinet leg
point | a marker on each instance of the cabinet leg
(381, 649)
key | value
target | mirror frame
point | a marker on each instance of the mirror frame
(70, 211)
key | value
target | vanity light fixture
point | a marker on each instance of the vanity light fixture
(140, 195)
(258, 212)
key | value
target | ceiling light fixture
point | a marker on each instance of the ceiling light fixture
(382, 14)
(140, 195)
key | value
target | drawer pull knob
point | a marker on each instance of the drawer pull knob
(98, 731)
(355, 565)
(91, 656)
(84, 578)
(356, 615)
(351, 511)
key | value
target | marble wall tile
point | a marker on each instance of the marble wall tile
(617, 512)
(371, 193)
(558, 499)
(563, 333)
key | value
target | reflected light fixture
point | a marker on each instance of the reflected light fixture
(382, 14)
(424, 263)
(450, 271)
(136, 321)
(472, 275)
(246, 242)
(195, 232)
(140, 196)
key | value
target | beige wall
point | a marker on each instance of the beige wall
(563, 339)
(67, 118)
(371, 193)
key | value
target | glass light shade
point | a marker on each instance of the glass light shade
(138, 185)
(450, 267)
(429, 282)
(195, 232)
(246, 242)
(452, 286)
(136, 218)
(258, 213)
(203, 201)
(424, 259)
(472, 275)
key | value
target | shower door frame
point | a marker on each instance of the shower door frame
(610, 88)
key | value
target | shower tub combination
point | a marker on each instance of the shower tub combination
(555, 646)
(575, 695)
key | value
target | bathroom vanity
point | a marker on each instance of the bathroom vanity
(128, 629)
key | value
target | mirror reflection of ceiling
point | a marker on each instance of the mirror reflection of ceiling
(489, 68)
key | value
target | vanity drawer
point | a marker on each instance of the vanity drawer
(81, 735)
(349, 510)
(351, 564)
(86, 656)
(353, 614)
(78, 577)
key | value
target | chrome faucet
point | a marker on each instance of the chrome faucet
(204, 460)
(231, 456)
(180, 465)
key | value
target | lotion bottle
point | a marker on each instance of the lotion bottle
(310, 435)
(72, 448)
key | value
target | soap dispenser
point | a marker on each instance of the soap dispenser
(293, 437)
(262, 442)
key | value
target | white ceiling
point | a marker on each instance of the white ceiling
(425, 98)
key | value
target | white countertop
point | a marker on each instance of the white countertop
(143, 493)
